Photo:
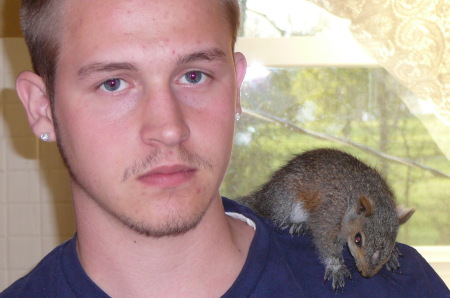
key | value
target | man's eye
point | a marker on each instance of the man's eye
(113, 85)
(193, 77)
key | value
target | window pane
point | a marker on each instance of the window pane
(287, 18)
(343, 108)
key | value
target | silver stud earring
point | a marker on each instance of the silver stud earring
(238, 116)
(45, 137)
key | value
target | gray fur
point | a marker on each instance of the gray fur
(323, 188)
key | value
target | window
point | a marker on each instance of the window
(309, 85)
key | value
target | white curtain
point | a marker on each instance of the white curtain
(411, 40)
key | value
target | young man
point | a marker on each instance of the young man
(141, 97)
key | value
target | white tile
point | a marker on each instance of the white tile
(23, 186)
(23, 253)
(21, 154)
(24, 220)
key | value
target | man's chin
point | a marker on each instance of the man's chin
(170, 228)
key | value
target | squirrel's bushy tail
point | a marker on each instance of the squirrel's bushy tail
(248, 200)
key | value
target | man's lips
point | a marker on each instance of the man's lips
(168, 176)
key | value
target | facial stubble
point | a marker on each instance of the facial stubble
(175, 224)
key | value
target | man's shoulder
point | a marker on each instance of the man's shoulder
(42, 280)
(294, 262)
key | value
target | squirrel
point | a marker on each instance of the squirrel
(339, 200)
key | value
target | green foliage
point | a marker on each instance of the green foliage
(359, 105)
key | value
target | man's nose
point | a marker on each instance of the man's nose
(163, 118)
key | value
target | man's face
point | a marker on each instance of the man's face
(145, 98)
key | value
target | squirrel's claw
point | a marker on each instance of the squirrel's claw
(297, 228)
(294, 228)
(393, 262)
(338, 275)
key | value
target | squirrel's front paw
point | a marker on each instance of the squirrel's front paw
(338, 274)
(393, 262)
(297, 228)
(294, 228)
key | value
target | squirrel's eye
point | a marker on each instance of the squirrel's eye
(358, 239)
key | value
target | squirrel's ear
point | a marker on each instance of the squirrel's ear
(364, 206)
(404, 214)
(33, 94)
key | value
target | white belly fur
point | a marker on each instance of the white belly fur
(298, 213)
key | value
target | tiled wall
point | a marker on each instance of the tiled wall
(35, 207)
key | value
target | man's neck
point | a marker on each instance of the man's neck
(205, 261)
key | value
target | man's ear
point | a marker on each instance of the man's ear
(33, 94)
(240, 64)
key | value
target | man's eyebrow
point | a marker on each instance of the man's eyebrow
(89, 69)
(208, 55)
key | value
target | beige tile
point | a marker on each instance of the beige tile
(23, 253)
(22, 186)
(3, 279)
(66, 221)
(16, 55)
(21, 154)
(49, 220)
(2, 120)
(57, 220)
(14, 275)
(8, 82)
(3, 199)
(16, 122)
(3, 220)
(3, 253)
(24, 220)
(2, 154)
(2, 53)
(55, 186)
(50, 157)
(49, 243)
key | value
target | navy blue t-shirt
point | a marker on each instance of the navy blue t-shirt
(278, 265)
